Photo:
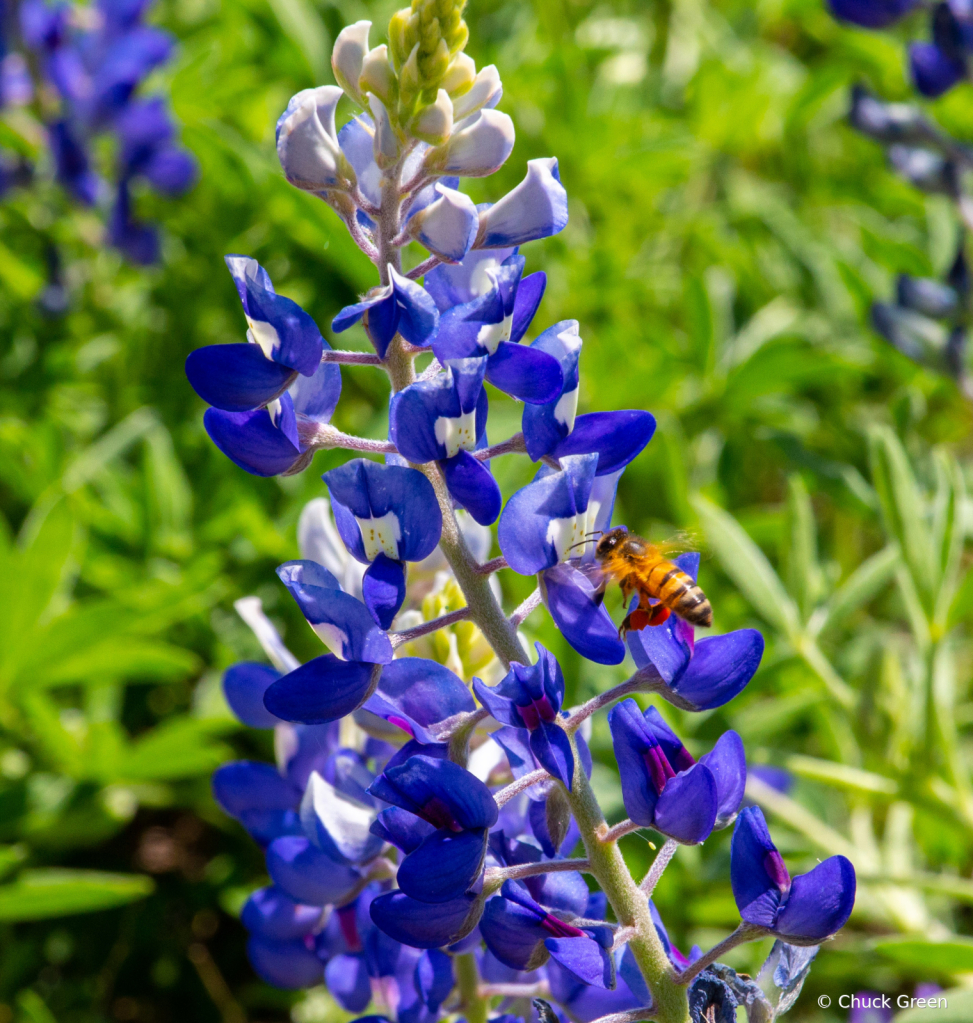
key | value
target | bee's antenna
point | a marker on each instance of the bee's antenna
(581, 543)
(597, 532)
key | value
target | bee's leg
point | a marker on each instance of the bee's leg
(643, 616)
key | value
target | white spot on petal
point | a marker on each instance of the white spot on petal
(565, 533)
(263, 334)
(332, 637)
(491, 334)
(381, 535)
(456, 433)
(567, 408)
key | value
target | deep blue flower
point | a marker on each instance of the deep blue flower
(542, 530)
(447, 863)
(443, 420)
(386, 515)
(662, 785)
(285, 964)
(263, 801)
(282, 342)
(486, 309)
(522, 934)
(561, 891)
(308, 874)
(425, 924)
(272, 913)
(323, 690)
(530, 696)
(400, 307)
(697, 676)
(871, 13)
(803, 910)
(554, 428)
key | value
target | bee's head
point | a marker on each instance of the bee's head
(610, 541)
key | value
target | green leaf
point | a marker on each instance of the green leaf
(800, 548)
(181, 748)
(920, 955)
(745, 563)
(33, 1008)
(138, 660)
(903, 510)
(858, 589)
(949, 530)
(48, 892)
(170, 495)
(303, 26)
(958, 1009)
(109, 446)
(21, 278)
(841, 775)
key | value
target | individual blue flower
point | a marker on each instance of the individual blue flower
(664, 787)
(386, 515)
(447, 225)
(542, 531)
(530, 696)
(308, 874)
(536, 208)
(338, 817)
(522, 934)
(323, 690)
(400, 307)
(418, 696)
(425, 924)
(282, 342)
(871, 13)
(561, 891)
(938, 66)
(443, 420)
(554, 428)
(803, 910)
(486, 309)
(342, 622)
(272, 913)
(447, 863)
(697, 676)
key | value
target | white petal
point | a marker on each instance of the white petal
(377, 75)
(485, 92)
(447, 227)
(385, 145)
(460, 75)
(251, 610)
(381, 535)
(435, 121)
(307, 144)
(456, 433)
(346, 820)
(536, 208)
(478, 148)
(348, 56)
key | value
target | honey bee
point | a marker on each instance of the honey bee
(641, 567)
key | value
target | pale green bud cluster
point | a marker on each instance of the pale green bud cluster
(424, 40)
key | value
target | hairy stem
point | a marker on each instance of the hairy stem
(526, 609)
(620, 830)
(515, 445)
(346, 358)
(442, 622)
(630, 905)
(639, 682)
(659, 864)
(520, 785)
(322, 435)
(521, 870)
(745, 932)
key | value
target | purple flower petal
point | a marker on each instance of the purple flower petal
(417, 694)
(272, 913)
(617, 437)
(686, 810)
(320, 691)
(527, 374)
(819, 902)
(551, 746)
(285, 964)
(244, 686)
(423, 924)
(444, 867)
(346, 978)
(529, 295)
(585, 958)
(728, 764)
(253, 440)
(571, 598)
(237, 377)
(383, 589)
(720, 668)
(307, 874)
(472, 486)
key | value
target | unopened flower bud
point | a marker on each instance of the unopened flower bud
(377, 75)
(348, 56)
(307, 143)
(485, 92)
(477, 149)
(460, 75)
(385, 145)
(434, 123)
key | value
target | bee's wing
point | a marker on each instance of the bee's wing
(684, 541)
(599, 579)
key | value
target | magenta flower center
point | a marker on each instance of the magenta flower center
(537, 711)
(660, 770)
(439, 815)
(558, 928)
(774, 865)
(349, 928)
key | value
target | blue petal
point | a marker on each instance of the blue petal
(363, 489)
(317, 396)
(871, 13)
(423, 781)
(322, 690)
(293, 337)
(630, 739)
(664, 646)
(728, 764)
(383, 590)
(244, 686)
(238, 377)
(585, 958)
(417, 694)
(525, 373)
(306, 874)
(512, 933)
(472, 486)
(572, 601)
(617, 437)
(252, 441)
(686, 810)
(341, 621)
(934, 71)
(453, 285)
(423, 924)
(346, 978)
(720, 668)
(552, 747)
(529, 296)
(819, 902)
(284, 964)
(536, 208)
(403, 829)
(545, 426)
(245, 785)
(755, 891)
(418, 315)
(434, 978)
(444, 867)
(272, 913)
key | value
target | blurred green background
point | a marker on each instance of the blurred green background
(728, 233)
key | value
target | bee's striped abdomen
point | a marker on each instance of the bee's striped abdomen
(678, 592)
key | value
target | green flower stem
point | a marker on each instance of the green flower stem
(472, 1004)
(630, 905)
